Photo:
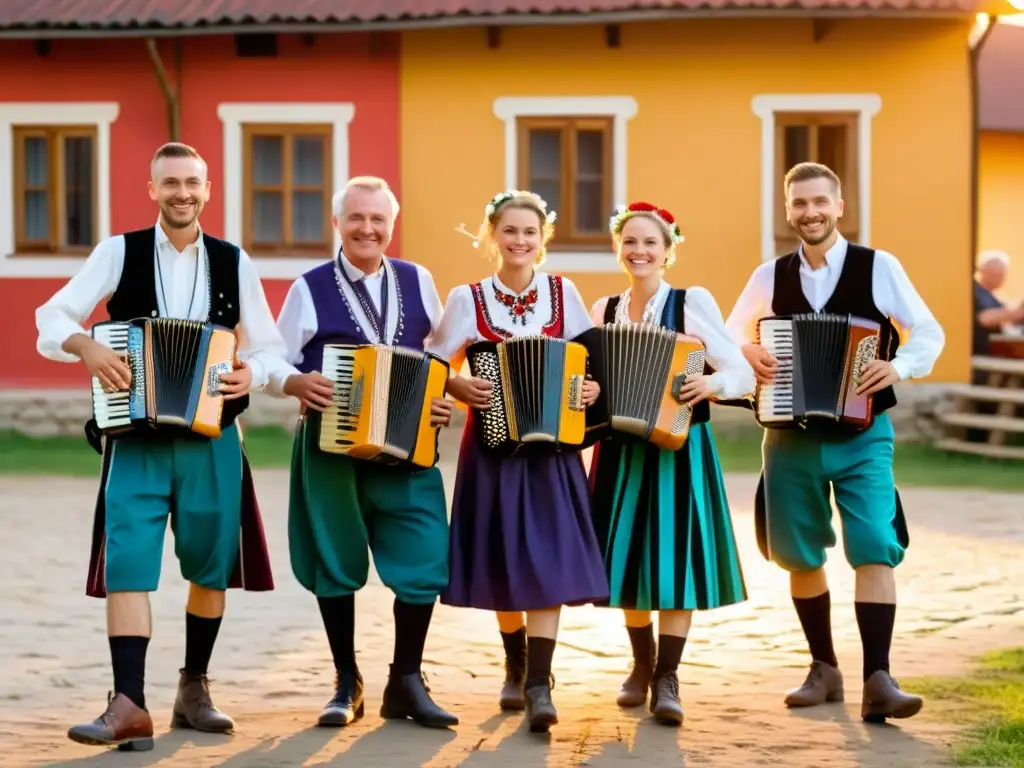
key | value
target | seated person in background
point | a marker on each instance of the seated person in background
(991, 315)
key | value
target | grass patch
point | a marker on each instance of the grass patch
(271, 447)
(989, 703)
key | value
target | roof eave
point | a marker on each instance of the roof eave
(563, 19)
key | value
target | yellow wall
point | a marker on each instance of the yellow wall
(1001, 204)
(694, 144)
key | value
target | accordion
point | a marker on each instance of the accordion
(537, 396)
(820, 359)
(641, 369)
(176, 367)
(380, 410)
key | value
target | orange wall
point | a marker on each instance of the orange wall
(694, 145)
(333, 69)
(1001, 205)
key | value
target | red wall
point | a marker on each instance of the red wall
(354, 68)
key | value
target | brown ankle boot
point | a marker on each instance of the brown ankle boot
(123, 725)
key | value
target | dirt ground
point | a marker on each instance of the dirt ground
(960, 593)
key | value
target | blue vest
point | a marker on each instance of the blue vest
(336, 322)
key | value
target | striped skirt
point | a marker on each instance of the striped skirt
(663, 522)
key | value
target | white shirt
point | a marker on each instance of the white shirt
(297, 321)
(733, 377)
(259, 343)
(458, 326)
(893, 293)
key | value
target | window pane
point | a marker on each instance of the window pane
(545, 155)
(590, 211)
(37, 216)
(832, 148)
(267, 217)
(308, 217)
(267, 161)
(308, 161)
(798, 145)
(37, 162)
(590, 153)
(78, 190)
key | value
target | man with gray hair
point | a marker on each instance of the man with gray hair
(990, 313)
(339, 506)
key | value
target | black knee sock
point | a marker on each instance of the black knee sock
(540, 651)
(412, 622)
(339, 616)
(816, 618)
(128, 657)
(875, 621)
(200, 636)
(670, 653)
(515, 646)
(642, 640)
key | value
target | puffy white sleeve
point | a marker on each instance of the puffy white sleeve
(457, 327)
(577, 318)
(598, 310)
(733, 377)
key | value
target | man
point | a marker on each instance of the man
(341, 506)
(991, 314)
(171, 270)
(828, 274)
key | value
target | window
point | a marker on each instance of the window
(568, 162)
(829, 138)
(54, 189)
(287, 183)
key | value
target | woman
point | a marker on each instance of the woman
(662, 516)
(522, 538)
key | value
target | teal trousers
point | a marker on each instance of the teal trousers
(803, 468)
(340, 509)
(197, 484)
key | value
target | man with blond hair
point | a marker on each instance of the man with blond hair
(804, 466)
(170, 270)
(342, 507)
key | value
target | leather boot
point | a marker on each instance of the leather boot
(193, 707)
(123, 725)
(665, 704)
(633, 692)
(824, 683)
(347, 706)
(409, 696)
(512, 696)
(540, 709)
(883, 698)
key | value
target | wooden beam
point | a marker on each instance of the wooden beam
(493, 37)
(820, 28)
(170, 96)
(613, 35)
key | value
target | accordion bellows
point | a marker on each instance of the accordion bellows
(641, 368)
(820, 359)
(537, 394)
(176, 367)
(381, 406)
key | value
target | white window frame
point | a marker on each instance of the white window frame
(234, 115)
(621, 109)
(765, 106)
(98, 114)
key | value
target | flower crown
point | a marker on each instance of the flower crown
(503, 197)
(622, 214)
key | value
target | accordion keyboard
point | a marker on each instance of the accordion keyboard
(338, 366)
(113, 409)
(775, 400)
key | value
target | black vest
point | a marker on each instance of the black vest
(701, 411)
(852, 296)
(135, 297)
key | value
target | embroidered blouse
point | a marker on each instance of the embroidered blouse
(489, 310)
(733, 377)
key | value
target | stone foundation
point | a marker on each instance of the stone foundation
(64, 412)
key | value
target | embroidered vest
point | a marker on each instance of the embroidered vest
(674, 318)
(336, 322)
(852, 295)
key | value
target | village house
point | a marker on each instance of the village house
(700, 107)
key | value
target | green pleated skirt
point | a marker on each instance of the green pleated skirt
(663, 520)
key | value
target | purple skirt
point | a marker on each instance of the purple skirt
(522, 538)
